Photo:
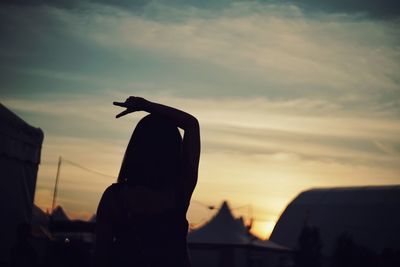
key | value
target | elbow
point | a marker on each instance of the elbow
(194, 126)
(195, 123)
(191, 124)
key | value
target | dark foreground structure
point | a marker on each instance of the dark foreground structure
(354, 226)
(20, 148)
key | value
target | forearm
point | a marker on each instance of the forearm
(180, 118)
(191, 138)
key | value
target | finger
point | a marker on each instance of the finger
(123, 113)
(120, 104)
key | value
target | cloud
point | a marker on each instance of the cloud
(302, 128)
(279, 52)
(287, 98)
(248, 145)
(383, 9)
(386, 9)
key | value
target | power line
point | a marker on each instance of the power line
(87, 169)
(60, 161)
(207, 206)
(210, 207)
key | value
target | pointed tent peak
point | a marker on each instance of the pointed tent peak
(224, 213)
(58, 207)
(225, 229)
(59, 214)
(39, 216)
(222, 228)
(225, 205)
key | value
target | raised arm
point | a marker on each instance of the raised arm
(183, 120)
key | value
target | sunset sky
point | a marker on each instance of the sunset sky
(290, 95)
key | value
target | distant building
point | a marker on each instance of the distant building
(366, 218)
(20, 149)
(225, 241)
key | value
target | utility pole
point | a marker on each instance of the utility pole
(56, 185)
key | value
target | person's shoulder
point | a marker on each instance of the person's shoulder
(111, 190)
(113, 186)
(107, 203)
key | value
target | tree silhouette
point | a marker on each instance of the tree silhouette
(347, 253)
(308, 253)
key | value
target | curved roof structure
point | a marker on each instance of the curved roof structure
(369, 214)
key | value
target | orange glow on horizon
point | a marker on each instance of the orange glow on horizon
(263, 229)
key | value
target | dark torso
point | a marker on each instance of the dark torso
(150, 227)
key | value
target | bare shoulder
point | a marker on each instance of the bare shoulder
(107, 203)
(110, 191)
(109, 196)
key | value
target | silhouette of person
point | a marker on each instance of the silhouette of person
(141, 219)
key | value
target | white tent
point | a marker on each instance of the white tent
(370, 215)
(20, 148)
(223, 228)
(60, 215)
(226, 241)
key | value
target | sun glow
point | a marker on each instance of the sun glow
(263, 229)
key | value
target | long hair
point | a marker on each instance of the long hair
(153, 156)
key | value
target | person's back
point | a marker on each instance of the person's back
(150, 227)
(141, 220)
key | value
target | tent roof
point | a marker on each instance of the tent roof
(59, 214)
(18, 139)
(369, 214)
(224, 229)
(39, 216)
